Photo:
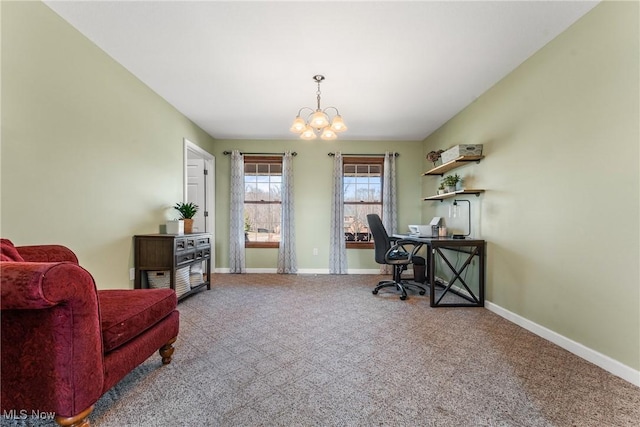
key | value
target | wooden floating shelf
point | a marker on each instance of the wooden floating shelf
(455, 163)
(454, 194)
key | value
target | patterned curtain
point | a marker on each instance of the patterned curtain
(236, 218)
(389, 201)
(337, 245)
(287, 263)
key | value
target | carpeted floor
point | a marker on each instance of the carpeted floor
(307, 350)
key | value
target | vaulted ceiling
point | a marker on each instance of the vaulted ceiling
(395, 70)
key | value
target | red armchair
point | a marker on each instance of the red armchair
(64, 343)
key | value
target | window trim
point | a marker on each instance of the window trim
(360, 160)
(262, 159)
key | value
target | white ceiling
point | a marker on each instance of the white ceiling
(395, 70)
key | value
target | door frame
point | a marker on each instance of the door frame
(209, 161)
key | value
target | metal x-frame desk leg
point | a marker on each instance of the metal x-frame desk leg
(475, 300)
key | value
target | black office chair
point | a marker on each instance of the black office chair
(393, 251)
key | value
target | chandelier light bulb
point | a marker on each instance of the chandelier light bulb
(298, 125)
(308, 134)
(319, 120)
(328, 134)
(337, 125)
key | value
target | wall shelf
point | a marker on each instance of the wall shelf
(476, 192)
(455, 163)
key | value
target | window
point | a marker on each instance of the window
(262, 201)
(362, 177)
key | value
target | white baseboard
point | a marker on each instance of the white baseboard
(364, 271)
(605, 362)
(303, 271)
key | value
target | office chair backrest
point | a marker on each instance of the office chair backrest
(381, 240)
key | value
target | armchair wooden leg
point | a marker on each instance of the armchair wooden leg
(79, 420)
(166, 351)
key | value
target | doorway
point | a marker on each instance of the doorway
(199, 188)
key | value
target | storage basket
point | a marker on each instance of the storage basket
(162, 280)
(195, 275)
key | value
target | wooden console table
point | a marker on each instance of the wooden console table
(169, 252)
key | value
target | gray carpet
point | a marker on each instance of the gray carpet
(306, 350)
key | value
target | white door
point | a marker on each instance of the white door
(197, 192)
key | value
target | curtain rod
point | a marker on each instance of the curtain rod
(364, 155)
(226, 153)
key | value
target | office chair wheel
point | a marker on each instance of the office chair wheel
(403, 297)
(422, 292)
(375, 292)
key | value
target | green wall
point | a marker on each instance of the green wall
(561, 211)
(90, 155)
(313, 169)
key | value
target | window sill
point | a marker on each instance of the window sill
(356, 245)
(261, 244)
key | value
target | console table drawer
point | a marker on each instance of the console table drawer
(186, 257)
(188, 243)
(181, 245)
(203, 253)
(203, 242)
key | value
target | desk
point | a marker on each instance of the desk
(470, 247)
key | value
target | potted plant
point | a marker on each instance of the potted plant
(450, 182)
(441, 189)
(187, 212)
(434, 156)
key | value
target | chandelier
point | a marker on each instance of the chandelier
(318, 121)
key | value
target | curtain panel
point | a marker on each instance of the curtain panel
(337, 244)
(389, 201)
(287, 262)
(236, 217)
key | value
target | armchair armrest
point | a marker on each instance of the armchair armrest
(51, 341)
(400, 251)
(47, 253)
(38, 285)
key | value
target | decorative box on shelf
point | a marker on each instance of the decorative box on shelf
(461, 150)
